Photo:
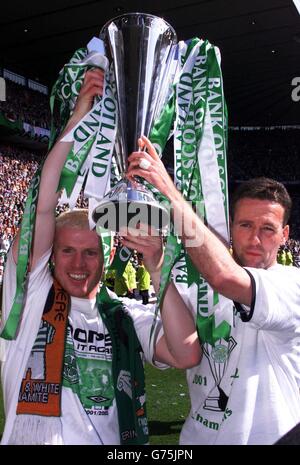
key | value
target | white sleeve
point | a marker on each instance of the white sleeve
(37, 279)
(142, 318)
(34, 279)
(277, 298)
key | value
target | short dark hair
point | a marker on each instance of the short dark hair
(263, 189)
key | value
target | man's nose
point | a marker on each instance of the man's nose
(78, 259)
(255, 236)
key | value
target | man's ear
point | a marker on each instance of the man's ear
(285, 234)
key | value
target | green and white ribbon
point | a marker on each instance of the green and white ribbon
(121, 258)
(198, 109)
(212, 162)
(184, 145)
(190, 109)
(92, 152)
(62, 93)
(65, 91)
(200, 174)
(26, 234)
(96, 129)
(73, 197)
(106, 240)
(98, 180)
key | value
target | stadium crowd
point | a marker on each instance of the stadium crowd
(261, 152)
(17, 167)
(268, 152)
(26, 105)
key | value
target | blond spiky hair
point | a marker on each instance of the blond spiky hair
(78, 218)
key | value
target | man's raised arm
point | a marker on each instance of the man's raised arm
(48, 195)
(179, 346)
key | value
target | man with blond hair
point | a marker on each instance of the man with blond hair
(90, 388)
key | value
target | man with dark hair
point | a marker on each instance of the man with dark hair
(246, 388)
(263, 189)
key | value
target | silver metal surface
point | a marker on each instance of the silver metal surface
(140, 47)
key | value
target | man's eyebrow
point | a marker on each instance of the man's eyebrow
(266, 223)
(244, 220)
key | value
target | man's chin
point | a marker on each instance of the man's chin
(77, 291)
(245, 262)
(254, 264)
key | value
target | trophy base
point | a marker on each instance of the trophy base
(212, 403)
(128, 206)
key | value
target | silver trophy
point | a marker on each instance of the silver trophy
(140, 48)
(218, 358)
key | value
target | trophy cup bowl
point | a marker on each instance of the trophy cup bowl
(140, 47)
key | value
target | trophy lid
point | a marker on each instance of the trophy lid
(139, 18)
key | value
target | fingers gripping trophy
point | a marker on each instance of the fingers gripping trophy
(140, 48)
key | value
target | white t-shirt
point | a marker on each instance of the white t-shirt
(89, 413)
(246, 389)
